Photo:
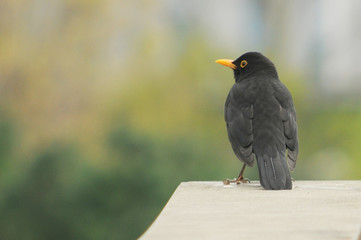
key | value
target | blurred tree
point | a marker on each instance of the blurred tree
(36, 207)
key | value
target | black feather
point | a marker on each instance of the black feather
(261, 121)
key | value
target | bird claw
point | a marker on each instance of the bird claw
(236, 181)
(226, 181)
(244, 180)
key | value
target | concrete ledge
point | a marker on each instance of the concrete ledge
(210, 210)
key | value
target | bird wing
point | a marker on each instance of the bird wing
(238, 116)
(288, 116)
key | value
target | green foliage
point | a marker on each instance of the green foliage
(63, 197)
(35, 207)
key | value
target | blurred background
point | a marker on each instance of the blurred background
(106, 106)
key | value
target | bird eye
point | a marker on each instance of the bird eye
(243, 63)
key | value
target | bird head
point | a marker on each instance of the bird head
(248, 64)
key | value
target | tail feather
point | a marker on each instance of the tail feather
(273, 172)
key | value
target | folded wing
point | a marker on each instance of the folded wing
(239, 127)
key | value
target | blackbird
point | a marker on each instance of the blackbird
(261, 121)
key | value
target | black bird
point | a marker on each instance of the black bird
(261, 121)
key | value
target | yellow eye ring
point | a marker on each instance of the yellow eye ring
(243, 63)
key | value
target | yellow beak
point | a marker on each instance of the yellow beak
(226, 62)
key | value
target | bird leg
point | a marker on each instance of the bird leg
(239, 179)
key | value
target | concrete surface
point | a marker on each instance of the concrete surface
(210, 210)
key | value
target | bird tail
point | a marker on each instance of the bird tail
(273, 172)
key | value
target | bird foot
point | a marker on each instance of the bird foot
(236, 181)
